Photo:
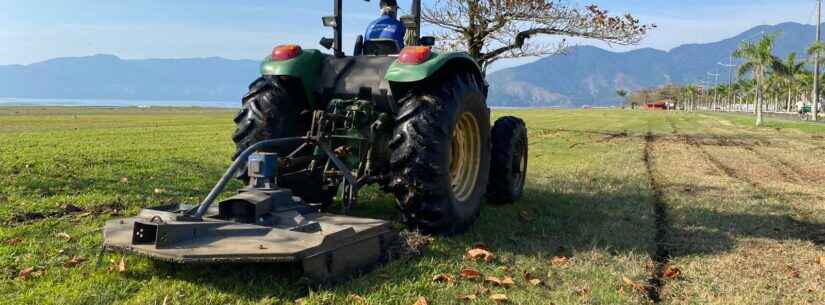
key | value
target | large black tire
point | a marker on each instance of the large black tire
(277, 108)
(508, 167)
(420, 166)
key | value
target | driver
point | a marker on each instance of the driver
(387, 26)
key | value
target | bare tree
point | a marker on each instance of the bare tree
(494, 29)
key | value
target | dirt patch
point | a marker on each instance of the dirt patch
(661, 256)
(545, 132)
(612, 136)
(66, 210)
(723, 141)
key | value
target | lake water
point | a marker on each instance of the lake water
(114, 103)
(40, 102)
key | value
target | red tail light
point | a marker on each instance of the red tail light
(414, 55)
(286, 52)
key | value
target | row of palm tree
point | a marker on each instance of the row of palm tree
(765, 83)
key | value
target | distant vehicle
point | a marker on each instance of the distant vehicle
(659, 105)
(587, 107)
(804, 112)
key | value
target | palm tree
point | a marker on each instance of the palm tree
(789, 71)
(693, 93)
(817, 50)
(759, 59)
(623, 94)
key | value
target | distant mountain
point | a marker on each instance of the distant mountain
(109, 77)
(585, 75)
(590, 75)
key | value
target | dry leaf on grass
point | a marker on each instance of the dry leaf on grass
(526, 216)
(358, 299)
(74, 261)
(467, 297)
(508, 282)
(499, 298)
(481, 290)
(443, 278)
(119, 266)
(493, 280)
(532, 279)
(793, 274)
(124, 180)
(25, 273)
(478, 253)
(64, 236)
(559, 260)
(14, 241)
(471, 274)
(421, 301)
(632, 284)
(672, 272)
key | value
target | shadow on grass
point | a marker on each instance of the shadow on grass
(704, 232)
(618, 220)
(543, 225)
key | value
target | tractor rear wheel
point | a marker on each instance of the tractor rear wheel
(508, 168)
(276, 108)
(441, 154)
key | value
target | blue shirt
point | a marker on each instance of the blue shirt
(386, 27)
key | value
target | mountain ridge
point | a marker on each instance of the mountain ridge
(592, 75)
(584, 75)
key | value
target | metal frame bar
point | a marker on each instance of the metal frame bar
(416, 12)
(242, 159)
(338, 43)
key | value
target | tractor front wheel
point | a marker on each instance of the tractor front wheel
(441, 154)
(508, 168)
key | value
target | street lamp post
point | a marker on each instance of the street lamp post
(815, 94)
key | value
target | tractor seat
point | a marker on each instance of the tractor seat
(379, 47)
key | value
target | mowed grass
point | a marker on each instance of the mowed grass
(743, 219)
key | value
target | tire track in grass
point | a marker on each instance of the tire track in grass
(719, 165)
(785, 169)
(788, 170)
(661, 256)
(763, 191)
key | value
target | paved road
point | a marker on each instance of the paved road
(784, 116)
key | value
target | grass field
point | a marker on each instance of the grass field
(621, 207)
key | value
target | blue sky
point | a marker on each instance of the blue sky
(36, 30)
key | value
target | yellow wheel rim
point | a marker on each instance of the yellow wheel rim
(465, 157)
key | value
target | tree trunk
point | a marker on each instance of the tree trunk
(758, 100)
(790, 94)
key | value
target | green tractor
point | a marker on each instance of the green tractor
(412, 121)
